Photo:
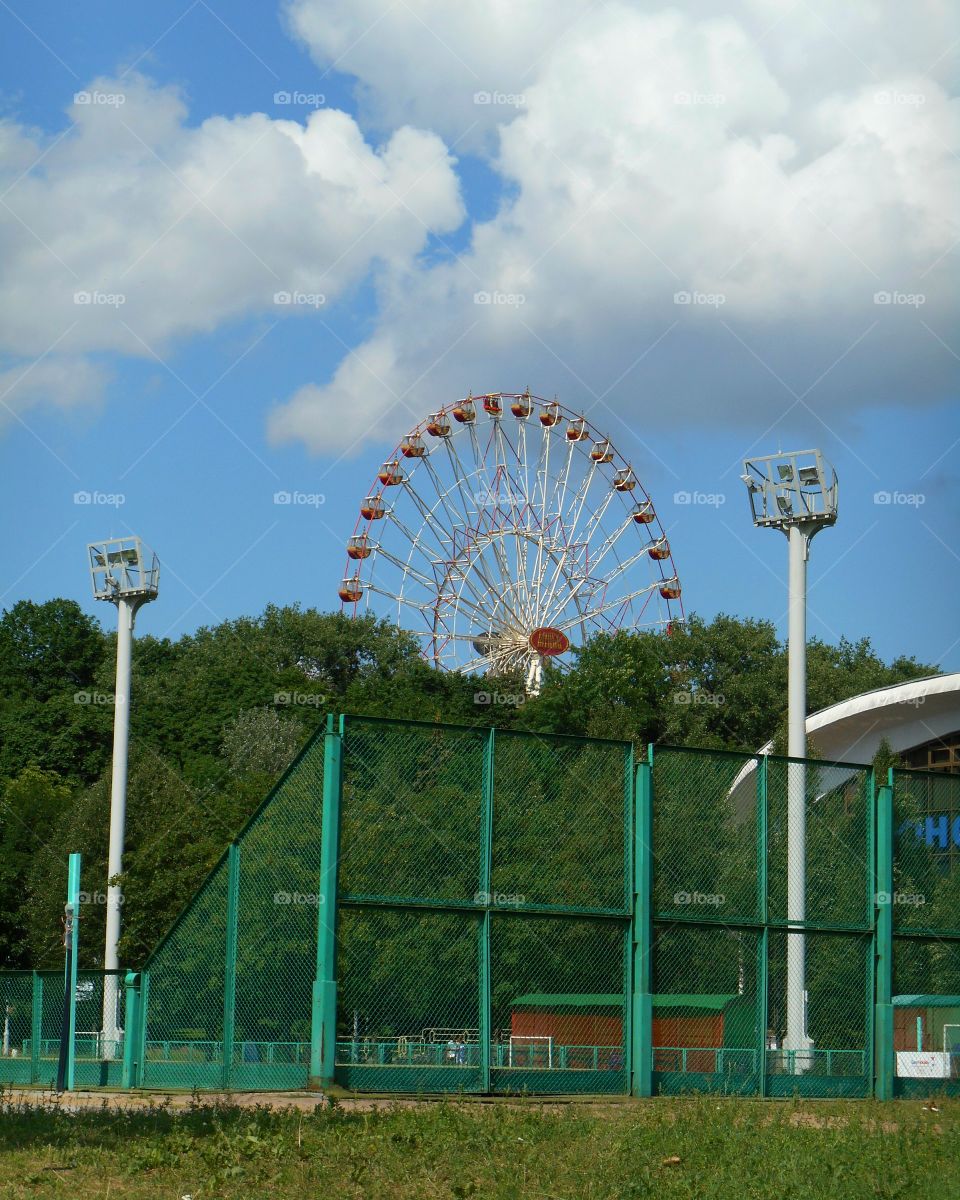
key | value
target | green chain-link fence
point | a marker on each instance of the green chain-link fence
(420, 907)
(925, 903)
(762, 891)
(33, 1012)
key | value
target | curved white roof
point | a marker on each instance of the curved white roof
(906, 714)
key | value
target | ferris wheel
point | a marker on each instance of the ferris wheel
(504, 530)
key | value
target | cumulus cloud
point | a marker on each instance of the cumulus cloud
(133, 227)
(703, 217)
(64, 382)
(706, 218)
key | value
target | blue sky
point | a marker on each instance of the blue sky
(196, 425)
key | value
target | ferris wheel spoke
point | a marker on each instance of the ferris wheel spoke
(504, 467)
(428, 516)
(594, 523)
(579, 500)
(415, 542)
(470, 504)
(600, 583)
(560, 487)
(498, 594)
(457, 518)
(406, 566)
(570, 554)
(590, 567)
(606, 546)
(593, 613)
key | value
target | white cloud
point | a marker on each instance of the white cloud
(134, 227)
(65, 382)
(791, 176)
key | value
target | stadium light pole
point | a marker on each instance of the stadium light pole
(125, 573)
(797, 494)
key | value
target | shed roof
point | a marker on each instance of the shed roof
(926, 1001)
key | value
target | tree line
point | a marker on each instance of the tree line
(218, 714)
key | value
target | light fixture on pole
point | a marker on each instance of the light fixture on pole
(797, 494)
(126, 573)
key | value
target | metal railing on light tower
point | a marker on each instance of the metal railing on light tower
(125, 573)
(797, 494)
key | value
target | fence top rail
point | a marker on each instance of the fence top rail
(499, 730)
(755, 758)
(905, 774)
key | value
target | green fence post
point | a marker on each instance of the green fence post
(629, 803)
(763, 912)
(323, 1022)
(36, 1027)
(230, 961)
(131, 1024)
(68, 1050)
(884, 1057)
(143, 1012)
(486, 876)
(641, 1025)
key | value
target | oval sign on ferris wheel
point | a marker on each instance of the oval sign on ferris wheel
(548, 641)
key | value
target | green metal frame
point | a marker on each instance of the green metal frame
(763, 911)
(641, 1041)
(744, 1066)
(230, 962)
(486, 875)
(884, 1057)
(323, 1026)
(131, 1038)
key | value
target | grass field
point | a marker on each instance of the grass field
(698, 1148)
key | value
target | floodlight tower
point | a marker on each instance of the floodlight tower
(126, 573)
(797, 494)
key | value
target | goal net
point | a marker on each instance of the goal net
(531, 1051)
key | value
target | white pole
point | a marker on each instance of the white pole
(126, 614)
(796, 1032)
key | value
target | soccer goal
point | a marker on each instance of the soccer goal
(531, 1051)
